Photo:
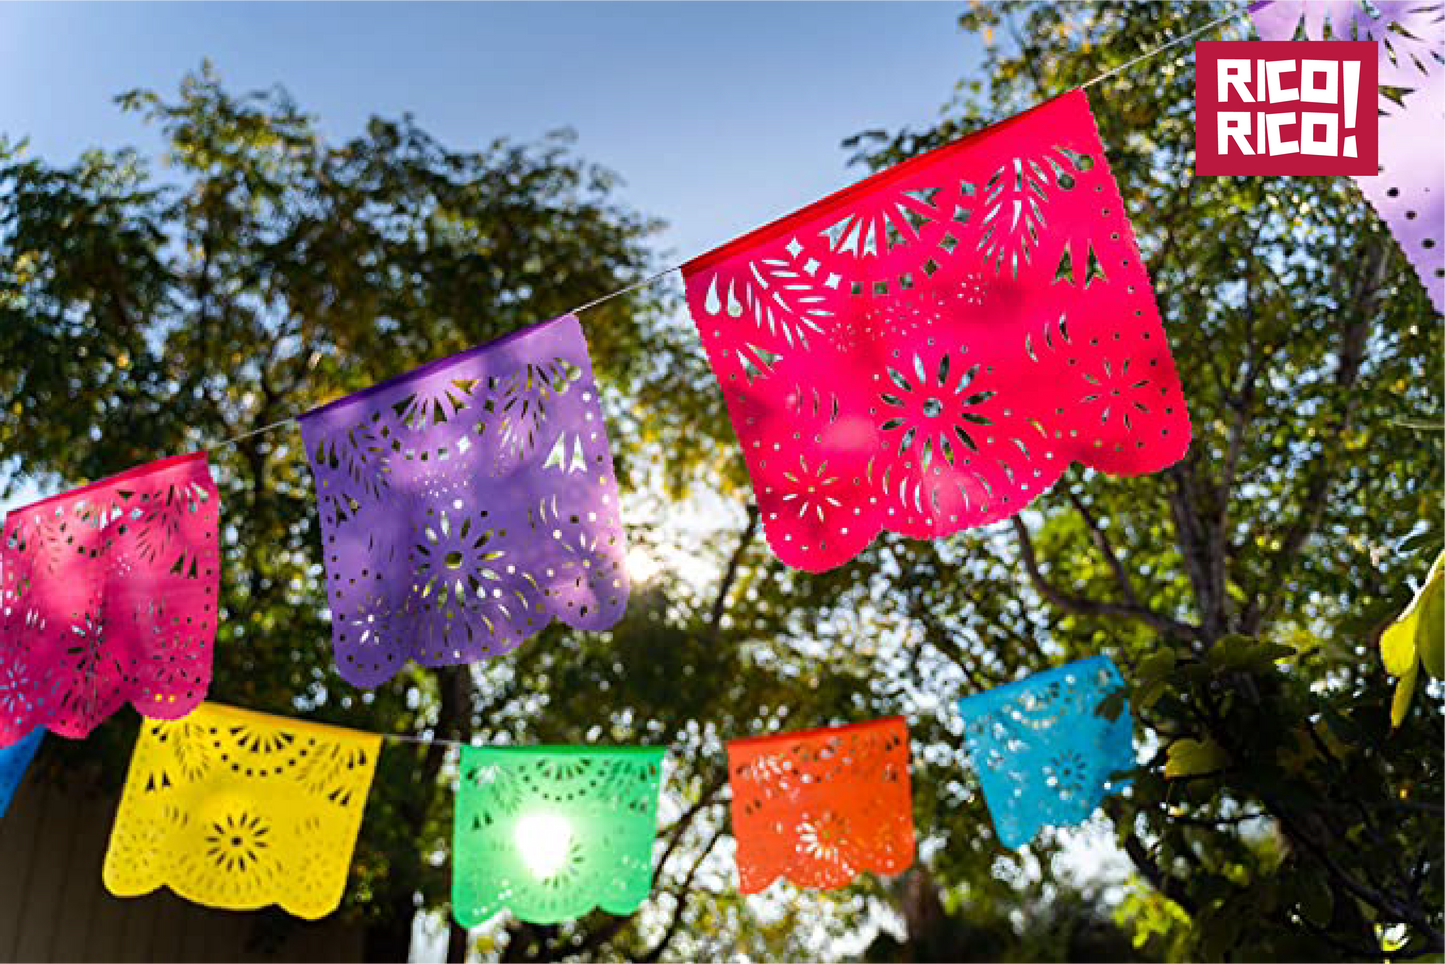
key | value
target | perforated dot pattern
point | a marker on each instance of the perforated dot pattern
(821, 806)
(1045, 749)
(236, 809)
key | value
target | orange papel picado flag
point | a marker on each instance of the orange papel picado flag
(821, 806)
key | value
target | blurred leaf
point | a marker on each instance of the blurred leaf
(1155, 666)
(1420, 423)
(1404, 690)
(1190, 757)
(1428, 639)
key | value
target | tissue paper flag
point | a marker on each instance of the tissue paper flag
(108, 594)
(466, 504)
(1409, 192)
(235, 809)
(929, 349)
(551, 832)
(1043, 750)
(820, 806)
(14, 761)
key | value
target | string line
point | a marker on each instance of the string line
(1149, 54)
(423, 740)
(653, 279)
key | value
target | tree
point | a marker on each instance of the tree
(267, 271)
(264, 273)
(1245, 587)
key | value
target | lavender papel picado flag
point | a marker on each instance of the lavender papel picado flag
(466, 504)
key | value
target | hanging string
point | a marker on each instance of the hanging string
(653, 279)
(1150, 54)
(256, 431)
(422, 740)
(419, 740)
(626, 291)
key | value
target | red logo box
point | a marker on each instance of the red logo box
(1286, 107)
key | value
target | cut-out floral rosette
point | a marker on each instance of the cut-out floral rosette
(821, 806)
(551, 832)
(237, 810)
(466, 504)
(1044, 752)
(108, 596)
(1409, 192)
(929, 349)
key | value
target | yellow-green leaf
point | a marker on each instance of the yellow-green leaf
(1397, 647)
(1430, 637)
(1403, 691)
(1188, 758)
(1418, 629)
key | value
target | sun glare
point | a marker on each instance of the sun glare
(543, 840)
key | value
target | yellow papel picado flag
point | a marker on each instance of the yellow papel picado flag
(235, 809)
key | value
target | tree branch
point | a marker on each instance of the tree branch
(683, 892)
(730, 574)
(613, 925)
(1106, 548)
(1348, 949)
(1242, 400)
(1374, 267)
(1434, 939)
(1165, 625)
(1149, 868)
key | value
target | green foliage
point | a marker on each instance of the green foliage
(1191, 758)
(1244, 588)
(265, 271)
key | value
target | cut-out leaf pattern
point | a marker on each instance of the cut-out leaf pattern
(1409, 192)
(435, 548)
(1045, 747)
(237, 810)
(108, 595)
(949, 335)
(821, 806)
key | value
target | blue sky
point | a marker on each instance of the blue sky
(720, 116)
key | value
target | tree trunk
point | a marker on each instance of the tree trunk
(389, 939)
(457, 942)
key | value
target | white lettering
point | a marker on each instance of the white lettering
(1234, 125)
(1330, 92)
(1234, 73)
(1278, 93)
(1329, 145)
(1277, 144)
